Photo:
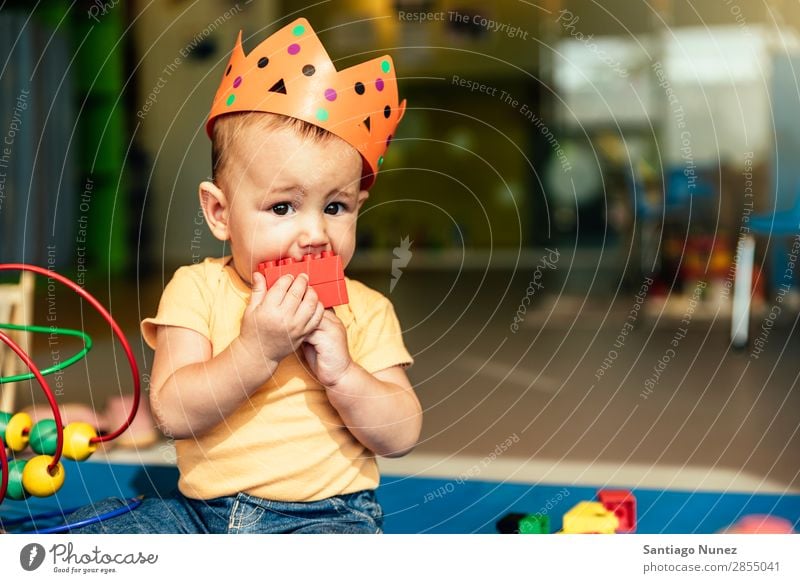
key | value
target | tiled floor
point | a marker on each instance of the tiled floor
(710, 418)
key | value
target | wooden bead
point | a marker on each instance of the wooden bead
(15, 489)
(44, 437)
(4, 419)
(37, 481)
(17, 431)
(77, 444)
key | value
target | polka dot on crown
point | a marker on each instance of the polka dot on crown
(231, 99)
(293, 49)
(298, 30)
(380, 161)
(379, 84)
(385, 66)
(309, 70)
(387, 111)
(322, 114)
(237, 82)
(263, 62)
(330, 94)
(359, 87)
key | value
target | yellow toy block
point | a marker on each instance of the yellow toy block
(590, 518)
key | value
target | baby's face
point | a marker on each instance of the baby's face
(290, 196)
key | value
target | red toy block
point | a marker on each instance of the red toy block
(325, 275)
(623, 504)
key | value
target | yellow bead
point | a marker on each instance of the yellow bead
(77, 445)
(17, 431)
(37, 481)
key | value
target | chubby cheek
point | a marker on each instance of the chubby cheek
(344, 244)
(268, 244)
(254, 248)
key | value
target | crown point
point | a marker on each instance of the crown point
(330, 94)
(293, 49)
(386, 66)
(322, 114)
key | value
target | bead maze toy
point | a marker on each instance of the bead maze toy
(325, 275)
(43, 474)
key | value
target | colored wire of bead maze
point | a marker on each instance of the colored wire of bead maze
(87, 346)
(77, 441)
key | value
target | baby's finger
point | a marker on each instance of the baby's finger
(316, 318)
(294, 295)
(259, 291)
(277, 292)
(310, 300)
(308, 310)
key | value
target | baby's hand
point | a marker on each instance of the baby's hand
(326, 350)
(275, 322)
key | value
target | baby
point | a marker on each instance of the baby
(279, 406)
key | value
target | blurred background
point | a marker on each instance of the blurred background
(557, 220)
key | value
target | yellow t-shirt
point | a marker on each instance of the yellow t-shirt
(287, 442)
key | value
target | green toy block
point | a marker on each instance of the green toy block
(535, 524)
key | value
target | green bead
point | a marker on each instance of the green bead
(15, 490)
(44, 436)
(535, 524)
(4, 419)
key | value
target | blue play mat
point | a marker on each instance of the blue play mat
(428, 505)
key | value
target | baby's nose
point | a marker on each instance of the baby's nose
(313, 236)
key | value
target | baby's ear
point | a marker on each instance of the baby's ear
(362, 198)
(215, 209)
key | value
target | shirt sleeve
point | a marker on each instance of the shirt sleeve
(185, 303)
(381, 339)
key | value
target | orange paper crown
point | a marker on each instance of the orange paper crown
(290, 73)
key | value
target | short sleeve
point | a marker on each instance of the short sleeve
(185, 303)
(381, 343)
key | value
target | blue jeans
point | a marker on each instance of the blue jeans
(357, 513)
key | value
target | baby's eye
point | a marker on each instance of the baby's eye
(334, 207)
(281, 209)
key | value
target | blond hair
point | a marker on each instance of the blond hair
(230, 126)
